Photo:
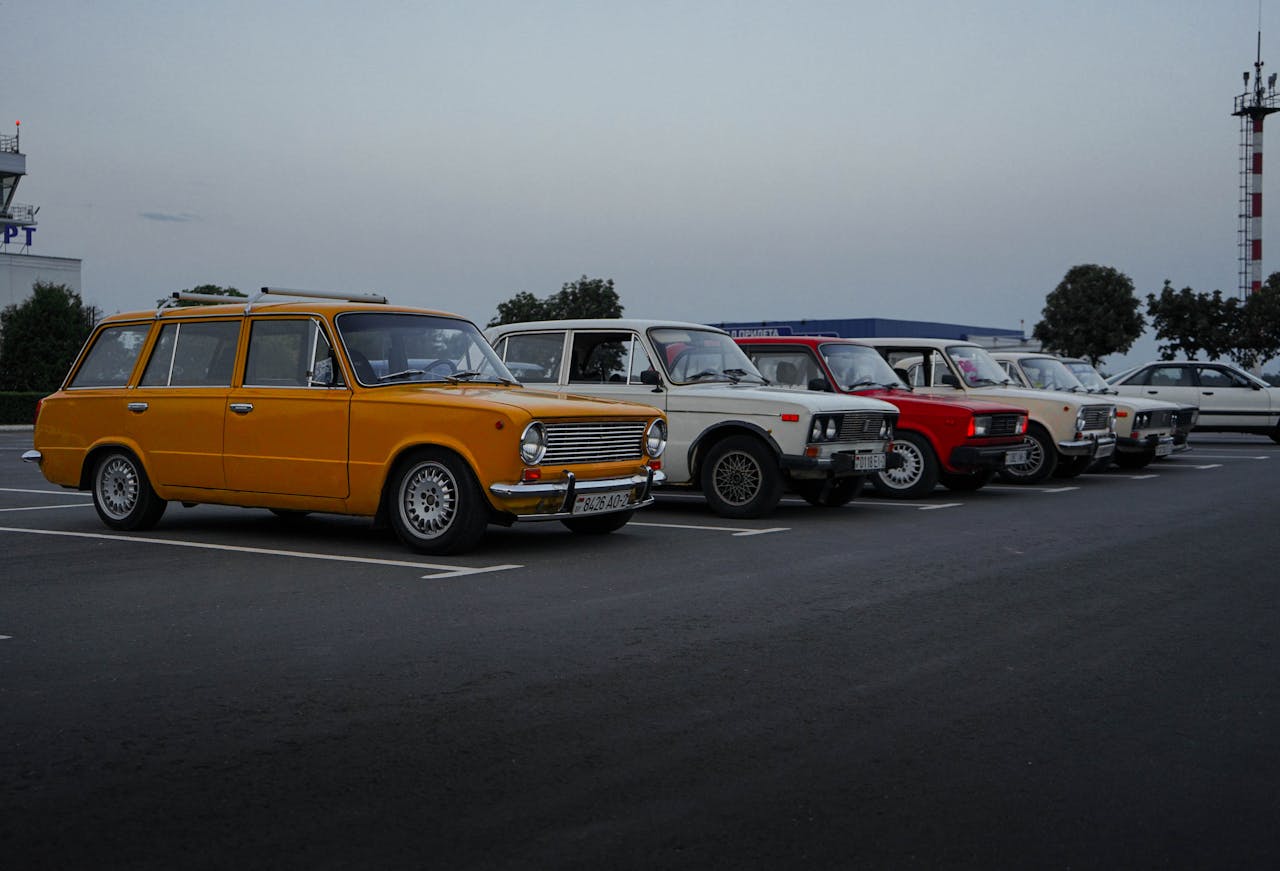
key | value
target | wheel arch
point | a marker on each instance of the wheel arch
(95, 453)
(405, 452)
(712, 435)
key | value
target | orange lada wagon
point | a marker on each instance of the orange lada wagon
(336, 403)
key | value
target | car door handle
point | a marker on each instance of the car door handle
(1153, 392)
(1207, 392)
(137, 407)
(242, 407)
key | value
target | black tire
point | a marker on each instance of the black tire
(918, 474)
(1043, 459)
(841, 492)
(966, 482)
(741, 478)
(1135, 461)
(1071, 467)
(599, 524)
(122, 494)
(1275, 434)
(434, 503)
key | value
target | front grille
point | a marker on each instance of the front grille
(1097, 416)
(860, 426)
(594, 442)
(1003, 425)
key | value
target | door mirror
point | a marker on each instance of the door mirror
(820, 384)
(949, 380)
(649, 376)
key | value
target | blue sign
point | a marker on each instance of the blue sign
(11, 233)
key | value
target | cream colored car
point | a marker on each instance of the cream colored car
(1066, 433)
(1144, 427)
(739, 440)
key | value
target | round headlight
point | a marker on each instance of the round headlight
(655, 438)
(816, 432)
(886, 429)
(533, 443)
(831, 428)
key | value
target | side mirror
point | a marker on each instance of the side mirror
(820, 384)
(949, 380)
(650, 376)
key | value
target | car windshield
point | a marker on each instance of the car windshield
(977, 367)
(692, 356)
(1046, 373)
(855, 366)
(395, 347)
(1088, 376)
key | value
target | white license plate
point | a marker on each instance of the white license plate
(1106, 450)
(1015, 458)
(594, 503)
(1164, 450)
(868, 462)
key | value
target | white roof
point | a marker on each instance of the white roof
(636, 324)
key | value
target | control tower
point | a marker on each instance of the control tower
(17, 220)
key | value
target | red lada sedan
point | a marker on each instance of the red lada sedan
(958, 443)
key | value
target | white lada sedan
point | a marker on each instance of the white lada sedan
(739, 440)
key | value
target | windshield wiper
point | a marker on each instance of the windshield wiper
(403, 373)
(738, 374)
(978, 382)
(865, 382)
(713, 373)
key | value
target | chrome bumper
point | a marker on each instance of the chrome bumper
(566, 491)
(32, 457)
(1095, 446)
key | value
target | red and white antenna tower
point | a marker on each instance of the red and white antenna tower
(1252, 107)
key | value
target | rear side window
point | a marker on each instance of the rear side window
(534, 358)
(110, 361)
(290, 353)
(193, 354)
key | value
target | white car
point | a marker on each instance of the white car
(1093, 381)
(1229, 399)
(742, 442)
(1144, 427)
(1065, 433)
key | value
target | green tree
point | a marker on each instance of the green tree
(584, 298)
(40, 337)
(1092, 312)
(1191, 322)
(1256, 334)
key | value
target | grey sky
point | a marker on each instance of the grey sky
(718, 160)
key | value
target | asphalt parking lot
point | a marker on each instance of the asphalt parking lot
(1079, 674)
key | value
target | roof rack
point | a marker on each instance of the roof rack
(324, 294)
(185, 296)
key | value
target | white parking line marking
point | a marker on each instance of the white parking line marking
(441, 571)
(738, 532)
(918, 506)
(1142, 477)
(1201, 456)
(48, 492)
(45, 507)
(1025, 488)
(5, 637)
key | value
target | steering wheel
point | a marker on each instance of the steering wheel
(441, 367)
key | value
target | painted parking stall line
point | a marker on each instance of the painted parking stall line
(45, 507)
(436, 570)
(1027, 489)
(79, 493)
(735, 531)
(904, 503)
